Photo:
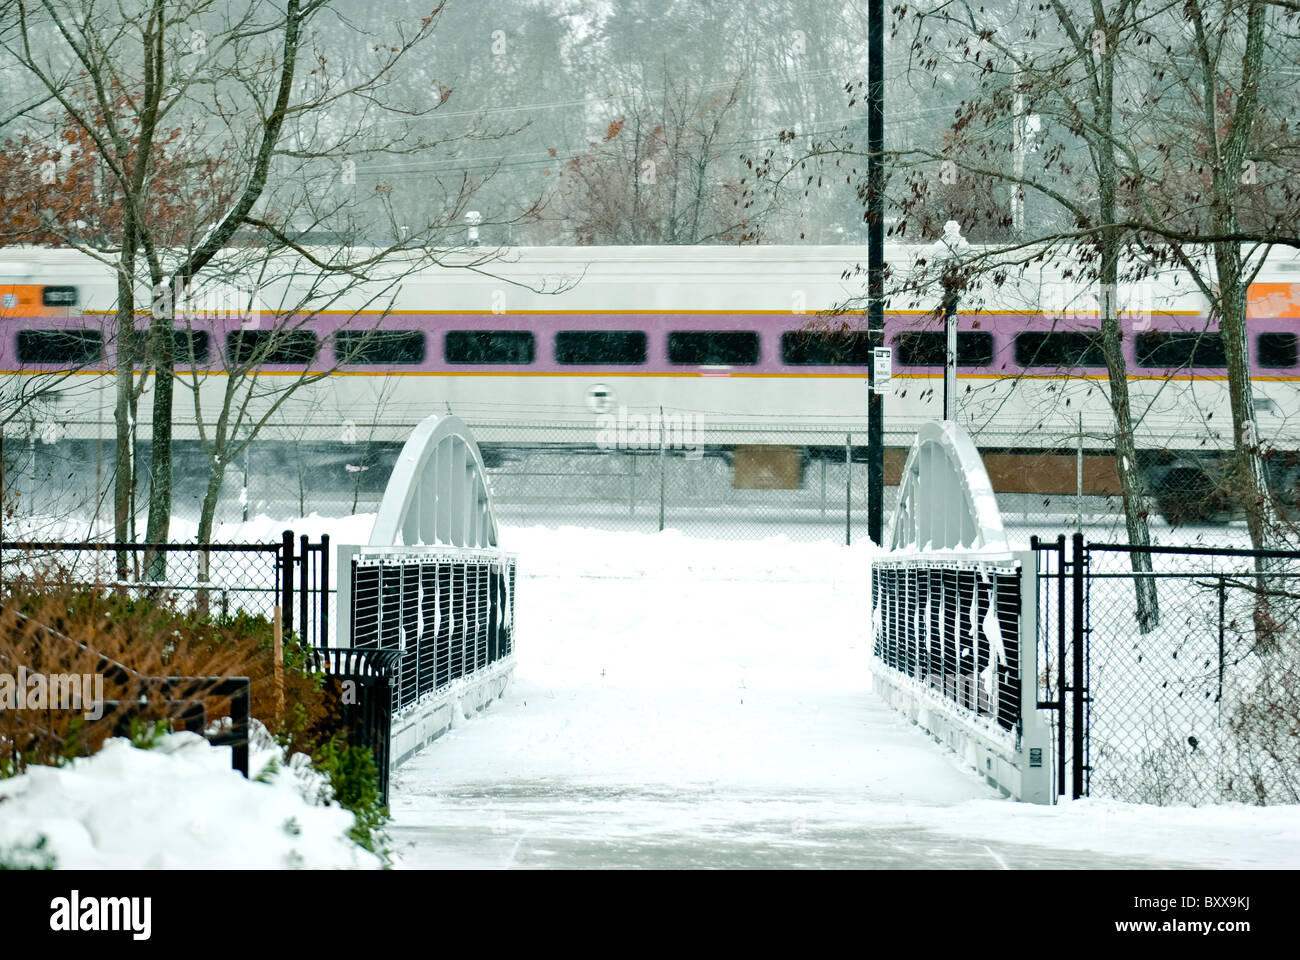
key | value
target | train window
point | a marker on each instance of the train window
(67, 348)
(379, 346)
(183, 342)
(1277, 350)
(930, 348)
(1176, 351)
(614, 347)
(704, 348)
(59, 296)
(826, 348)
(489, 346)
(250, 348)
(1040, 349)
(190, 344)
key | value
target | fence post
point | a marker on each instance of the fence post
(286, 580)
(1060, 664)
(1222, 609)
(1077, 688)
(663, 465)
(631, 483)
(848, 489)
(304, 584)
(1078, 478)
(323, 640)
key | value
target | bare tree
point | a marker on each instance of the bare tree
(653, 176)
(260, 118)
(1139, 158)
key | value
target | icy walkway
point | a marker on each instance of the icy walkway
(684, 703)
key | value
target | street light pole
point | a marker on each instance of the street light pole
(947, 253)
(875, 262)
(950, 355)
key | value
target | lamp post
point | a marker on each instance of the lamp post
(948, 252)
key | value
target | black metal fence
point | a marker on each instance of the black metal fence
(418, 622)
(219, 579)
(362, 682)
(953, 627)
(209, 578)
(1182, 676)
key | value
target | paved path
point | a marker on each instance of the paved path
(685, 704)
(848, 784)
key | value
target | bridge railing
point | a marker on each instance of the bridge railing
(955, 650)
(447, 613)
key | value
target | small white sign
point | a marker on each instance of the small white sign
(883, 369)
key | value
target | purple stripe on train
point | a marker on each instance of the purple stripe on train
(1005, 354)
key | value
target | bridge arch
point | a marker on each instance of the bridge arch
(945, 499)
(437, 492)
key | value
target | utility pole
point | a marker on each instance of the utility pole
(875, 263)
(1017, 155)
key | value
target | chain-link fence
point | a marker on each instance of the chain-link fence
(707, 478)
(217, 579)
(223, 579)
(1203, 707)
(805, 485)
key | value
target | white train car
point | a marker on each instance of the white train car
(741, 345)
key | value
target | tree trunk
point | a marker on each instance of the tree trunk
(207, 517)
(208, 510)
(1247, 480)
(1132, 490)
(160, 467)
(1126, 465)
(1247, 476)
(124, 425)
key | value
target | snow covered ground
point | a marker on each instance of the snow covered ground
(176, 806)
(694, 703)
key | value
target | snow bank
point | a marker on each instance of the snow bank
(179, 805)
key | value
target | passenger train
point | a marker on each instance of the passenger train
(756, 346)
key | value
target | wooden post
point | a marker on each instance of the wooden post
(278, 655)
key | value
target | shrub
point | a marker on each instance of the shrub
(28, 856)
(355, 780)
(154, 639)
(1267, 728)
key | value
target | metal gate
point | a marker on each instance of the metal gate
(1063, 657)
